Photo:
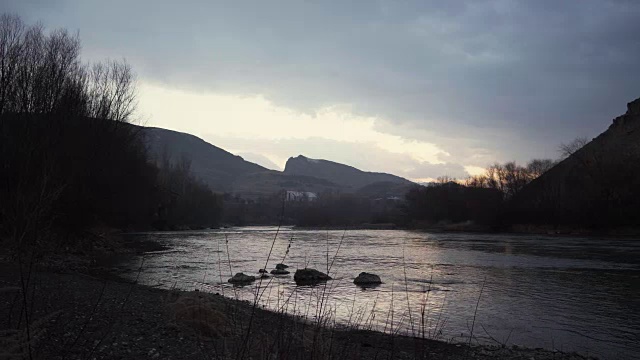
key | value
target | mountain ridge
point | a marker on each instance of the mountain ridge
(215, 166)
(345, 175)
(225, 172)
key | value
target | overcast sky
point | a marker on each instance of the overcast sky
(419, 89)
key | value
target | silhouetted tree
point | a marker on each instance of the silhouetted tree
(570, 148)
(186, 202)
(508, 178)
(537, 167)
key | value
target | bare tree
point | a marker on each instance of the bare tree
(569, 149)
(11, 35)
(61, 62)
(111, 91)
(495, 176)
(39, 70)
(478, 181)
(508, 178)
(515, 177)
(31, 61)
(537, 167)
(41, 73)
(445, 179)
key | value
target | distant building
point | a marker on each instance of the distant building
(300, 196)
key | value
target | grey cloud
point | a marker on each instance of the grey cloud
(505, 79)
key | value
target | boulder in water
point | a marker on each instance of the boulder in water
(281, 266)
(262, 271)
(279, 272)
(310, 276)
(366, 278)
(241, 278)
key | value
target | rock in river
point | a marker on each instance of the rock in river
(241, 278)
(279, 272)
(281, 266)
(309, 276)
(366, 278)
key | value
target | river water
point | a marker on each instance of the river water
(565, 293)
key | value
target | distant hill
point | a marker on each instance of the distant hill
(216, 167)
(597, 185)
(344, 175)
(226, 172)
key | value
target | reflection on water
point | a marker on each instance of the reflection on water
(570, 294)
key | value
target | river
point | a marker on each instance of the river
(566, 293)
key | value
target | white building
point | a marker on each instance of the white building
(300, 196)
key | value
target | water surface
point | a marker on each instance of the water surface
(570, 294)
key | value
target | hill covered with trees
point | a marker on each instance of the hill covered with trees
(218, 168)
(596, 186)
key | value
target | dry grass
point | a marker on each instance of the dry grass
(196, 312)
(17, 344)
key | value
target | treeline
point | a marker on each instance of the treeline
(70, 157)
(332, 209)
(450, 202)
(336, 210)
(510, 178)
(186, 202)
(482, 200)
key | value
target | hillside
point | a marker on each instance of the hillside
(216, 167)
(344, 175)
(267, 183)
(598, 185)
(226, 172)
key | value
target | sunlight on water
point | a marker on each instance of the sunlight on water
(570, 294)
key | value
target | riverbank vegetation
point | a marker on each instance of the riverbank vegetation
(483, 200)
(71, 159)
